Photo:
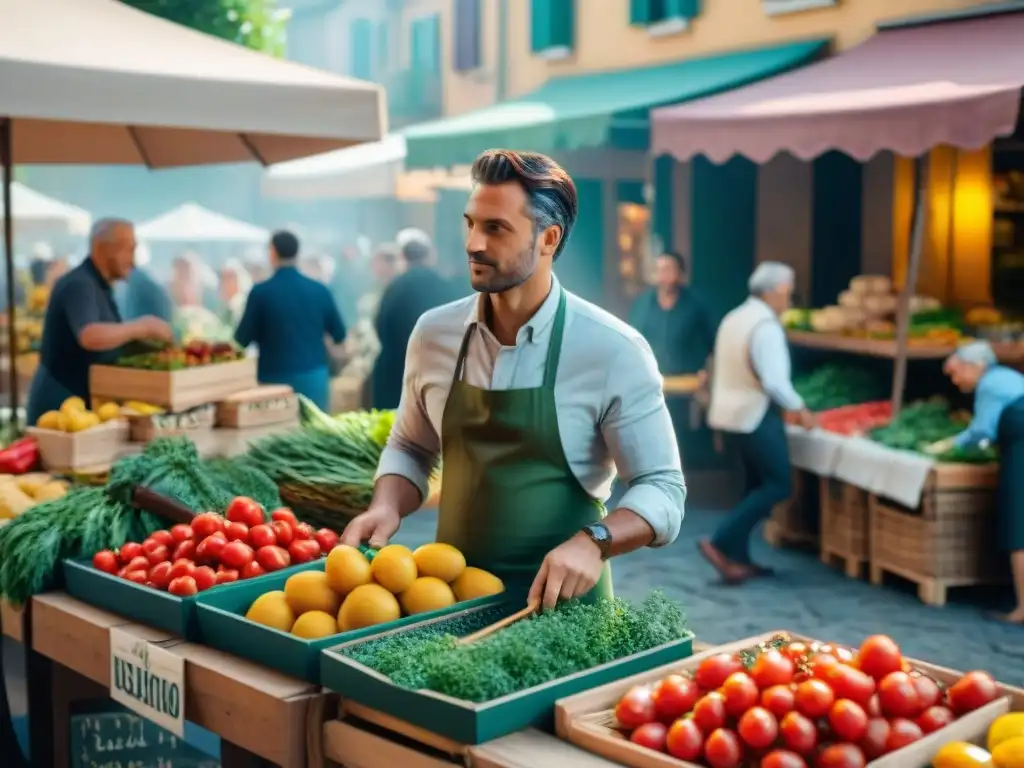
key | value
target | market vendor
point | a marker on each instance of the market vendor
(750, 387)
(999, 419)
(82, 326)
(530, 397)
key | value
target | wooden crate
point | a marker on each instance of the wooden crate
(948, 541)
(194, 422)
(70, 451)
(258, 407)
(791, 521)
(174, 390)
(844, 525)
(346, 394)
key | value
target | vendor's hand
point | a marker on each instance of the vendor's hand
(569, 570)
(807, 419)
(150, 327)
(375, 526)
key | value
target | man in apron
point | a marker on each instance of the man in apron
(998, 418)
(531, 398)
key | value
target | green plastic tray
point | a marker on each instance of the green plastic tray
(146, 605)
(223, 626)
(468, 722)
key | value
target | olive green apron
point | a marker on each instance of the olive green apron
(509, 496)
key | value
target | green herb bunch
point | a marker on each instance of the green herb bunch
(574, 637)
(835, 385)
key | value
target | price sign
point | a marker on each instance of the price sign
(148, 680)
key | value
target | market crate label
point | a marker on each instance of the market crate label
(122, 740)
(148, 680)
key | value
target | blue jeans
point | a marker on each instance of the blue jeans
(314, 384)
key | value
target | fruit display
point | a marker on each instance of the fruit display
(193, 354)
(73, 416)
(360, 589)
(19, 493)
(1004, 747)
(835, 385)
(929, 421)
(791, 704)
(139, 408)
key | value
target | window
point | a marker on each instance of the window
(466, 35)
(663, 16)
(382, 53)
(552, 27)
(780, 7)
(425, 44)
(360, 49)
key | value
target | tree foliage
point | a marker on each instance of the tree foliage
(257, 24)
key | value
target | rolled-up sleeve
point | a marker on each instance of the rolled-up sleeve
(413, 448)
(638, 432)
(769, 356)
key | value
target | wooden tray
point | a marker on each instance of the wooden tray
(70, 451)
(174, 390)
(258, 407)
(149, 427)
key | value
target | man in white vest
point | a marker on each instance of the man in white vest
(750, 387)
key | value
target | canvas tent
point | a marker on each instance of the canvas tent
(35, 213)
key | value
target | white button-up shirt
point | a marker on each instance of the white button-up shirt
(608, 390)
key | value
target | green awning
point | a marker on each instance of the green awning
(589, 110)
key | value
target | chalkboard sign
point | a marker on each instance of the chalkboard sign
(105, 735)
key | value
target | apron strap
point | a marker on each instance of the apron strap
(555, 345)
(460, 361)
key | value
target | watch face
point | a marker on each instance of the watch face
(599, 533)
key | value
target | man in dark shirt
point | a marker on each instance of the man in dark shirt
(82, 325)
(287, 317)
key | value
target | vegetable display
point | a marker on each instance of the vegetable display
(173, 358)
(19, 457)
(929, 421)
(572, 638)
(73, 416)
(835, 385)
(859, 419)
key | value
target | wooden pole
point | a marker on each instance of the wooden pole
(899, 379)
(7, 167)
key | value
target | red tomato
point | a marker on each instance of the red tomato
(709, 712)
(186, 550)
(713, 671)
(158, 554)
(782, 758)
(928, 692)
(209, 549)
(105, 561)
(934, 718)
(822, 664)
(650, 735)
(207, 524)
(205, 577)
(798, 733)
(303, 550)
(973, 690)
(875, 737)
(874, 709)
(139, 577)
(273, 558)
(740, 693)
(284, 531)
(251, 570)
(183, 586)
(779, 699)
(181, 532)
(285, 515)
(160, 575)
(327, 539)
(772, 668)
(841, 756)
(723, 749)
(122, 572)
(138, 563)
(129, 551)
(182, 568)
(227, 576)
(897, 696)
(879, 656)
(684, 740)
(236, 554)
(162, 537)
(242, 509)
(304, 531)
(848, 720)
(849, 683)
(758, 728)
(901, 733)
(635, 708)
(674, 697)
(844, 655)
(236, 531)
(262, 536)
(814, 698)
(796, 650)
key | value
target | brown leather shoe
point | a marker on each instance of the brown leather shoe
(731, 573)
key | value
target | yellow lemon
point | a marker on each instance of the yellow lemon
(476, 582)
(50, 420)
(1009, 754)
(394, 568)
(72, 405)
(313, 625)
(443, 561)
(367, 606)
(272, 610)
(310, 591)
(426, 594)
(1004, 727)
(960, 754)
(346, 569)
(109, 411)
(79, 421)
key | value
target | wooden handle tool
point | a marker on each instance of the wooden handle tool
(489, 630)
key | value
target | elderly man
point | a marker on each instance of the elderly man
(750, 386)
(998, 418)
(83, 325)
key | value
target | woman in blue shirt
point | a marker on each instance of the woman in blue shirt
(998, 418)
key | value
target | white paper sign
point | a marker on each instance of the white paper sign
(148, 680)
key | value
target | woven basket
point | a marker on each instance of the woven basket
(844, 520)
(794, 519)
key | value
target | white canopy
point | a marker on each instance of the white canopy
(191, 223)
(97, 81)
(369, 170)
(35, 213)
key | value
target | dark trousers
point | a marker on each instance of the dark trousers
(1010, 483)
(764, 456)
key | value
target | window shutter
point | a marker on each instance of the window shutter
(644, 11)
(681, 9)
(360, 49)
(552, 24)
(382, 53)
(466, 54)
(425, 50)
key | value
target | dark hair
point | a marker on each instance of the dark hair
(416, 252)
(676, 257)
(551, 191)
(286, 245)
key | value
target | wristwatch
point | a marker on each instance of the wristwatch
(600, 535)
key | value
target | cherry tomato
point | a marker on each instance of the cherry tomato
(635, 708)
(873, 709)
(934, 718)
(129, 551)
(122, 571)
(844, 655)
(973, 690)
(327, 539)
(139, 563)
(207, 524)
(779, 699)
(709, 712)
(848, 720)
(181, 532)
(841, 756)
(205, 577)
(242, 509)
(252, 570)
(879, 656)
(183, 586)
(285, 515)
(901, 733)
(284, 531)
(182, 568)
(772, 668)
(186, 550)
(160, 575)
(304, 531)
(262, 536)
(798, 733)
(897, 696)
(139, 577)
(236, 531)
(158, 554)
(650, 735)
(226, 576)
(105, 561)
(684, 739)
(849, 683)
(236, 554)
(210, 548)
(874, 738)
(723, 749)
(740, 693)
(783, 758)
(814, 698)
(758, 728)
(796, 650)
(928, 692)
(162, 537)
(303, 550)
(674, 697)
(822, 663)
(713, 671)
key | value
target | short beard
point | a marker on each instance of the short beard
(525, 266)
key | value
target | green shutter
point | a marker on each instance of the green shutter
(552, 24)
(681, 9)
(360, 49)
(643, 11)
(425, 45)
(382, 54)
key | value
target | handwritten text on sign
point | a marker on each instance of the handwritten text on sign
(148, 680)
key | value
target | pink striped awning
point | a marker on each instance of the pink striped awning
(907, 89)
